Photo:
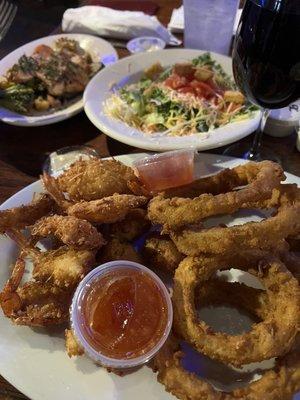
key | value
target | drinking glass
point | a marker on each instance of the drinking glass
(266, 63)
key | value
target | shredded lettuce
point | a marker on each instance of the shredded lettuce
(150, 107)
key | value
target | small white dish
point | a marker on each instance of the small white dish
(100, 51)
(284, 121)
(145, 44)
(129, 70)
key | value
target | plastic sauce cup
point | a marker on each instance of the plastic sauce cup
(78, 322)
(166, 170)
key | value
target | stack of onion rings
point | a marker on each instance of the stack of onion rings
(272, 337)
(279, 383)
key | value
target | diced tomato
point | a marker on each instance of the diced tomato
(186, 89)
(175, 81)
(202, 89)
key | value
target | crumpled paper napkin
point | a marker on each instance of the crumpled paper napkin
(104, 21)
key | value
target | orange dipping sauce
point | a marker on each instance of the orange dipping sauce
(124, 313)
(166, 170)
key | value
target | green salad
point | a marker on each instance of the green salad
(184, 99)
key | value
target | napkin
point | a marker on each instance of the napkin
(104, 21)
(176, 23)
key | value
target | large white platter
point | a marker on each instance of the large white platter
(98, 48)
(36, 362)
(128, 70)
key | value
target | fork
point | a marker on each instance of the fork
(8, 11)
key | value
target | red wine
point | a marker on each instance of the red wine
(266, 55)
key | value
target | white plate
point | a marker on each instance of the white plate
(128, 70)
(36, 363)
(97, 47)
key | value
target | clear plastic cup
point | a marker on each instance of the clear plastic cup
(58, 161)
(145, 44)
(77, 319)
(166, 170)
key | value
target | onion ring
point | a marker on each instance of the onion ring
(279, 383)
(260, 180)
(272, 337)
(252, 235)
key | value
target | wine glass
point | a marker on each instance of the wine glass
(266, 63)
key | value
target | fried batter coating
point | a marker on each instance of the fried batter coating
(107, 210)
(119, 250)
(280, 383)
(94, 179)
(260, 180)
(20, 217)
(64, 267)
(34, 303)
(104, 211)
(272, 337)
(252, 235)
(160, 252)
(72, 346)
(71, 231)
(132, 226)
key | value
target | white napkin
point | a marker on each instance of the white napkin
(104, 21)
(176, 23)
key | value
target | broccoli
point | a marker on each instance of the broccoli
(18, 98)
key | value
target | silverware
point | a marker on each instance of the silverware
(8, 11)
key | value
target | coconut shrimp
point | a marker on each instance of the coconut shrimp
(34, 303)
(20, 217)
(104, 211)
(63, 267)
(72, 231)
(94, 179)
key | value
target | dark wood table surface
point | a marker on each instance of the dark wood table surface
(23, 150)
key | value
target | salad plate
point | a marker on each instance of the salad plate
(117, 102)
(35, 360)
(99, 50)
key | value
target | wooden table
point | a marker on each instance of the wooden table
(23, 150)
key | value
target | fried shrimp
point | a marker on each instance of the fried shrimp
(72, 231)
(107, 210)
(34, 303)
(260, 180)
(20, 217)
(94, 179)
(63, 267)
(104, 211)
